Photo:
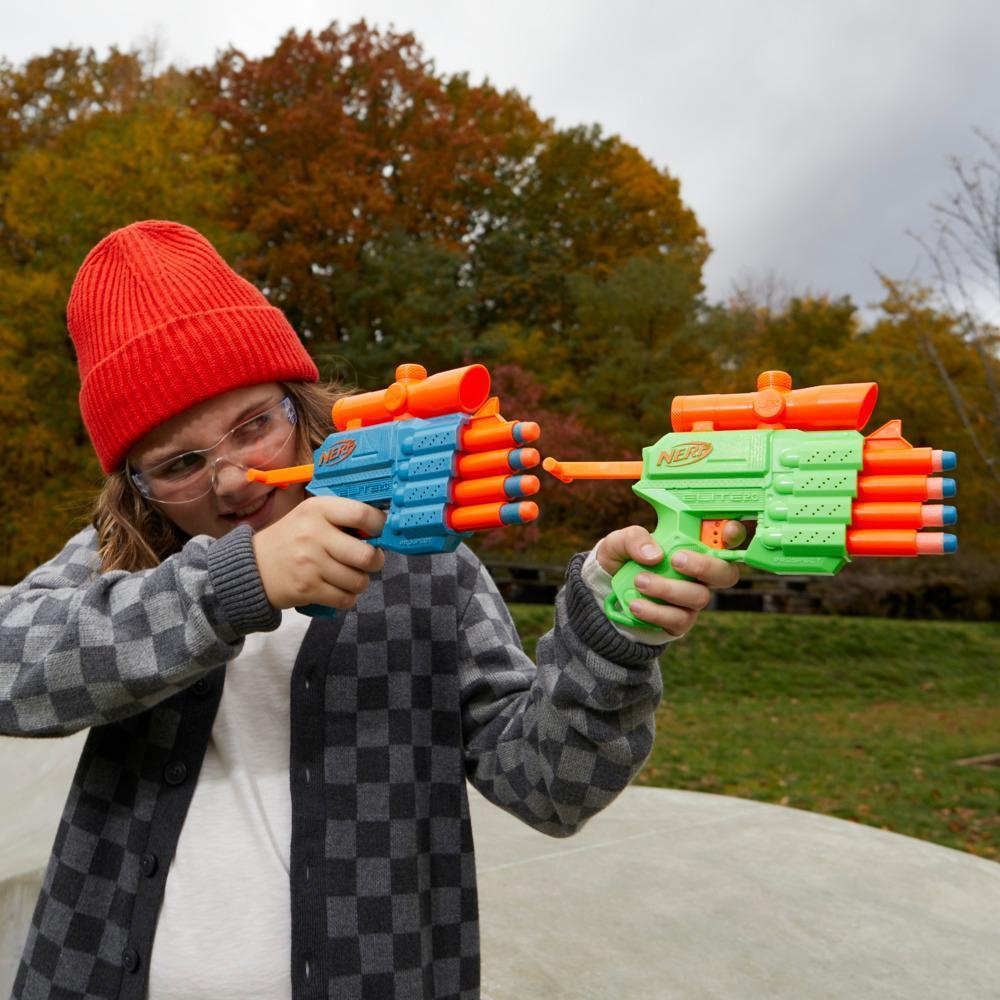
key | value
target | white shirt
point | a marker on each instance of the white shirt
(224, 930)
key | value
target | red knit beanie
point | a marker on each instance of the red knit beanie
(160, 322)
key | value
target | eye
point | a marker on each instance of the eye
(179, 467)
(253, 429)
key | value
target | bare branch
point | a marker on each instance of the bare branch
(964, 253)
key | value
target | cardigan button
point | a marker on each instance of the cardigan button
(130, 960)
(201, 687)
(174, 773)
(148, 864)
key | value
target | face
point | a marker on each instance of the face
(233, 500)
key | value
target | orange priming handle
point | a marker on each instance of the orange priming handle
(281, 477)
(568, 471)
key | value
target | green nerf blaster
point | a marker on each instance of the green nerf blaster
(794, 461)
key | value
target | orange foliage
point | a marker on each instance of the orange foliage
(345, 137)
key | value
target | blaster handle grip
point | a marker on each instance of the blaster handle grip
(676, 528)
(317, 611)
(324, 610)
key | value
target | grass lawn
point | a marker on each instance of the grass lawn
(860, 718)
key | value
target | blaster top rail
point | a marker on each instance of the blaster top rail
(777, 406)
(414, 394)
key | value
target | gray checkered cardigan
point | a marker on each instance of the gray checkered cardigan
(393, 705)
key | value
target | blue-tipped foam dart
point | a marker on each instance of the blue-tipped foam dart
(520, 486)
(523, 458)
(518, 513)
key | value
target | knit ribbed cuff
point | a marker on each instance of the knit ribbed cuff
(589, 622)
(232, 570)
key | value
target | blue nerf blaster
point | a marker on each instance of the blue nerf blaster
(432, 451)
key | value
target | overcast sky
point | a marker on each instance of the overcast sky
(808, 135)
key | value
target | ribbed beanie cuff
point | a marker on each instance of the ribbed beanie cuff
(160, 323)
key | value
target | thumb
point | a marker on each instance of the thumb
(633, 544)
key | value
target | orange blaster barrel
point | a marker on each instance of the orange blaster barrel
(485, 436)
(490, 463)
(491, 515)
(902, 515)
(904, 488)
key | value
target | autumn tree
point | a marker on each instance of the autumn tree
(46, 95)
(357, 158)
(392, 212)
(376, 186)
(117, 149)
(799, 334)
(575, 516)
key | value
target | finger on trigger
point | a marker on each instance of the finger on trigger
(345, 578)
(344, 548)
(709, 569)
(343, 512)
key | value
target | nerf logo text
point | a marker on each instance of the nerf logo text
(685, 454)
(340, 451)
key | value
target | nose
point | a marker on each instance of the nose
(227, 477)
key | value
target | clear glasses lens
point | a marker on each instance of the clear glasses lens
(252, 444)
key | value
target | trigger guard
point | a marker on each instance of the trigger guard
(613, 611)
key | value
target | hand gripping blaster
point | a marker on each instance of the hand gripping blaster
(432, 451)
(794, 461)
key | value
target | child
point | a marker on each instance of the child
(312, 813)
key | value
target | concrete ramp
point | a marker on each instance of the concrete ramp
(670, 894)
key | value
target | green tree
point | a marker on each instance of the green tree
(627, 350)
(584, 205)
(799, 335)
(402, 302)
